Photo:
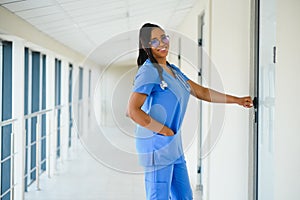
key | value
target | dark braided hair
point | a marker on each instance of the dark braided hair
(145, 48)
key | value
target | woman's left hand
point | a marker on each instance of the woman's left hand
(245, 102)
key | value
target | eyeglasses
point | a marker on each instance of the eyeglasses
(156, 42)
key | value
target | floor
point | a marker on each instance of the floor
(81, 177)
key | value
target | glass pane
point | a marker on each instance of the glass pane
(266, 100)
(6, 114)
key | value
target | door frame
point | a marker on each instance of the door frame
(255, 143)
(256, 43)
(201, 23)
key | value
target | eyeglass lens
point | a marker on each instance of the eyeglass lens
(155, 42)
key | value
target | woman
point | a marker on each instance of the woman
(158, 104)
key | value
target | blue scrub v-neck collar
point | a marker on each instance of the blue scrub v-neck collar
(174, 75)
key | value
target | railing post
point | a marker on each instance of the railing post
(0, 153)
(24, 154)
(12, 160)
(37, 169)
(48, 147)
(54, 151)
(62, 139)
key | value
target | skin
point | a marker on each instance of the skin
(136, 100)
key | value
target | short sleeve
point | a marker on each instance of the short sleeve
(145, 79)
(144, 89)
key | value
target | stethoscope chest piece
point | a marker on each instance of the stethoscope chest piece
(163, 85)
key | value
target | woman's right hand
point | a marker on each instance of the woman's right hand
(166, 131)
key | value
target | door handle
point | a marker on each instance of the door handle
(255, 102)
(255, 105)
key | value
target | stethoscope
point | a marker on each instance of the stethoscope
(164, 84)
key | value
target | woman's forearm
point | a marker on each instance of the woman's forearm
(211, 95)
(218, 97)
(143, 119)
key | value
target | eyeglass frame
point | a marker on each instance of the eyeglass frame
(160, 40)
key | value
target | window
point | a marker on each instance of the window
(35, 124)
(80, 83)
(6, 114)
(43, 107)
(58, 101)
(70, 103)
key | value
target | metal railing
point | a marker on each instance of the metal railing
(52, 120)
(57, 128)
(11, 157)
(37, 143)
(51, 131)
(58, 109)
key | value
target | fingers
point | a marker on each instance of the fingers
(247, 102)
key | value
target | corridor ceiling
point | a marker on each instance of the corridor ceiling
(85, 24)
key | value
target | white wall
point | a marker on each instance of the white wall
(114, 88)
(287, 126)
(228, 44)
(18, 112)
(231, 56)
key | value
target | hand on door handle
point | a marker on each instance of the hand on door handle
(245, 102)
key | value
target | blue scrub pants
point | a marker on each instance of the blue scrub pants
(169, 182)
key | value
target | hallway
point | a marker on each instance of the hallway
(82, 177)
(68, 67)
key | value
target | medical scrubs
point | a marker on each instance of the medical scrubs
(162, 156)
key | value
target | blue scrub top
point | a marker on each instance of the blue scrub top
(166, 106)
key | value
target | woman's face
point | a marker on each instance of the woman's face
(159, 43)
